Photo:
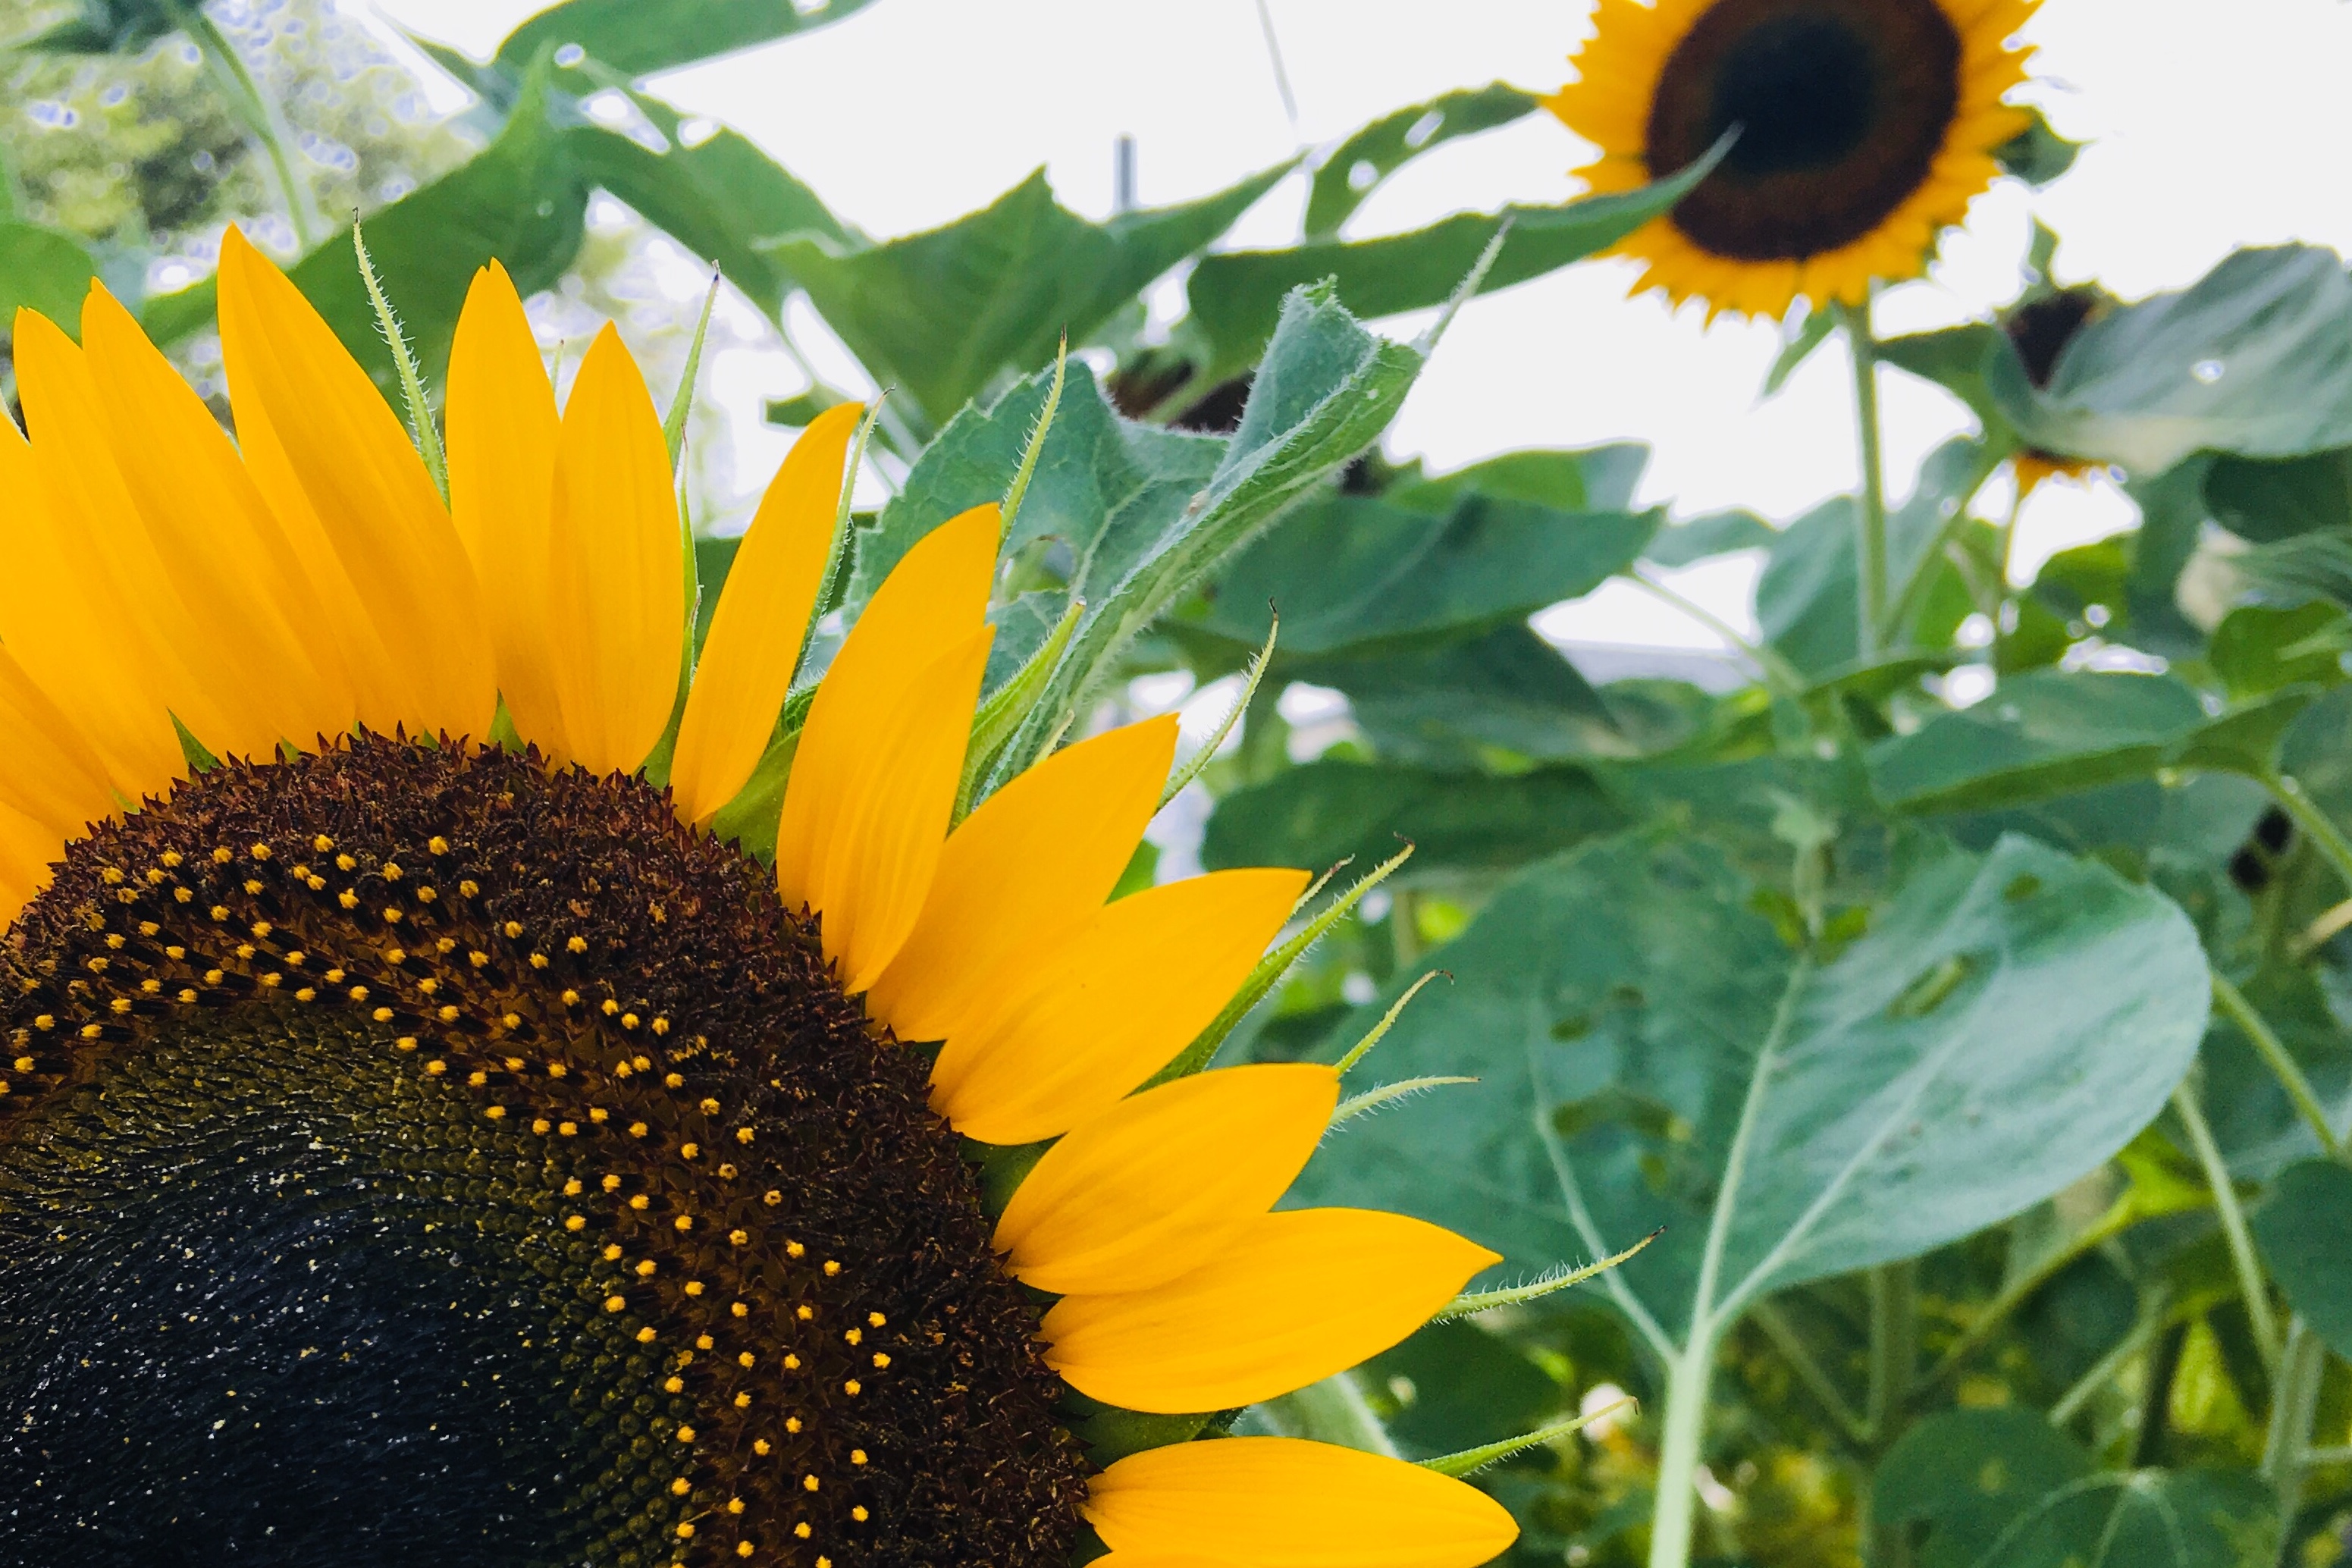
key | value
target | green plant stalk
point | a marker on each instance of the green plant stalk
(261, 116)
(1894, 1344)
(2283, 1066)
(2264, 1322)
(2289, 793)
(1687, 1380)
(1870, 554)
(2295, 1406)
(2071, 1402)
(2016, 1293)
(1778, 674)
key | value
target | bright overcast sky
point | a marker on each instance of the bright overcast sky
(2212, 126)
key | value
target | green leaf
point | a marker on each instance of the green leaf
(2145, 1519)
(2303, 1227)
(2248, 359)
(1578, 478)
(1968, 1474)
(2266, 499)
(1358, 572)
(1811, 333)
(637, 38)
(1456, 1386)
(1953, 359)
(1357, 165)
(521, 201)
(2040, 734)
(1325, 812)
(1505, 697)
(944, 314)
(2255, 1121)
(1237, 296)
(1716, 533)
(103, 27)
(43, 269)
(2036, 154)
(2006, 1023)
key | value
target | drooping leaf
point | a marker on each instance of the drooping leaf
(635, 39)
(1357, 572)
(1317, 815)
(2008, 1022)
(943, 314)
(1237, 296)
(1716, 533)
(2255, 358)
(1357, 165)
(1953, 358)
(1967, 1474)
(43, 269)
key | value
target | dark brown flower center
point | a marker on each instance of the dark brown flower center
(409, 1156)
(1841, 106)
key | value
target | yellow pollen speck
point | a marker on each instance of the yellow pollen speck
(747, 1360)
(184, 895)
(681, 1485)
(219, 912)
(661, 1025)
(612, 1183)
(575, 944)
(539, 960)
(628, 1020)
(405, 1043)
(683, 1222)
(702, 1342)
(575, 1222)
(392, 871)
(436, 1068)
(725, 1172)
(568, 1128)
(448, 1015)
(791, 1424)
(306, 995)
(426, 895)
(741, 1309)
(675, 1385)
(615, 1303)
(91, 1031)
(395, 955)
(685, 1434)
(853, 1387)
(772, 1200)
(391, 916)
(599, 1115)
(874, 1320)
(858, 1513)
(854, 1335)
(469, 887)
(437, 844)
(476, 957)
(735, 1505)
(638, 1129)
(744, 1549)
(694, 1287)
(881, 1361)
(857, 1456)
(792, 1362)
(832, 1268)
(803, 1531)
(221, 856)
(571, 999)
(742, 1135)
(495, 1113)
(252, 888)
(709, 1108)
(172, 857)
(428, 985)
(690, 1151)
(684, 1528)
(742, 1402)
(120, 1004)
(557, 1069)
(348, 898)
(612, 1252)
(646, 1269)
(24, 1064)
(639, 1201)
(176, 953)
(763, 1448)
(810, 1483)
(513, 928)
(261, 851)
(572, 1188)
(737, 1237)
(475, 1079)
(322, 844)
(673, 1081)
(805, 1313)
(646, 1336)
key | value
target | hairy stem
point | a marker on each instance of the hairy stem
(2234, 1226)
(1870, 553)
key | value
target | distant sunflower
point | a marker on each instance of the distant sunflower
(419, 1151)
(2038, 328)
(1865, 128)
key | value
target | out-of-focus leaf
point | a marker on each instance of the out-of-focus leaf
(2148, 1519)
(1236, 296)
(2007, 1022)
(1583, 478)
(2259, 1128)
(2265, 500)
(2172, 516)
(2307, 567)
(638, 39)
(103, 27)
(1357, 572)
(2044, 733)
(1457, 1386)
(1357, 165)
(1318, 814)
(1507, 697)
(45, 270)
(2036, 154)
(521, 201)
(1811, 333)
(1716, 533)
(943, 314)
(2304, 1227)
(1967, 1474)
(1953, 358)
(2255, 358)
(2257, 650)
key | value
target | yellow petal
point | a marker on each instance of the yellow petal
(886, 841)
(616, 585)
(502, 427)
(1281, 1503)
(368, 491)
(52, 594)
(1111, 1006)
(931, 603)
(1157, 1184)
(50, 773)
(1292, 1299)
(27, 851)
(1021, 873)
(217, 540)
(754, 642)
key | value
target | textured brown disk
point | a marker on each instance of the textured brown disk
(409, 1154)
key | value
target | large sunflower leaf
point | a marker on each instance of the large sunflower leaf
(1506, 696)
(1968, 1474)
(2045, 734)
(2255, 357)
(2302, 1226)
(943, 314)
(2266, 499)
(42, 269)
(632, 38)
(1357, 165)
(1650, 1052)
(1325, 812)
(1237, 295)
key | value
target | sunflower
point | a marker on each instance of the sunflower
(1866, 126)
(414, 1148)
(2039, 327)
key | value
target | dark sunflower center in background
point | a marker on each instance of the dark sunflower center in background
(406, 1155)
(1841, 106)
(2041, 329)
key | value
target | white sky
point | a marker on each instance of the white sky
(2212, 125)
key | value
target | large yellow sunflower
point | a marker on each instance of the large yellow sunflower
(415, 1150)
(1865, 128)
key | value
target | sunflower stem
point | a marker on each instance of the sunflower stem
(1870, 553)
(2243, 1258)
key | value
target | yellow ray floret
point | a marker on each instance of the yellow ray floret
(1280, 1502)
